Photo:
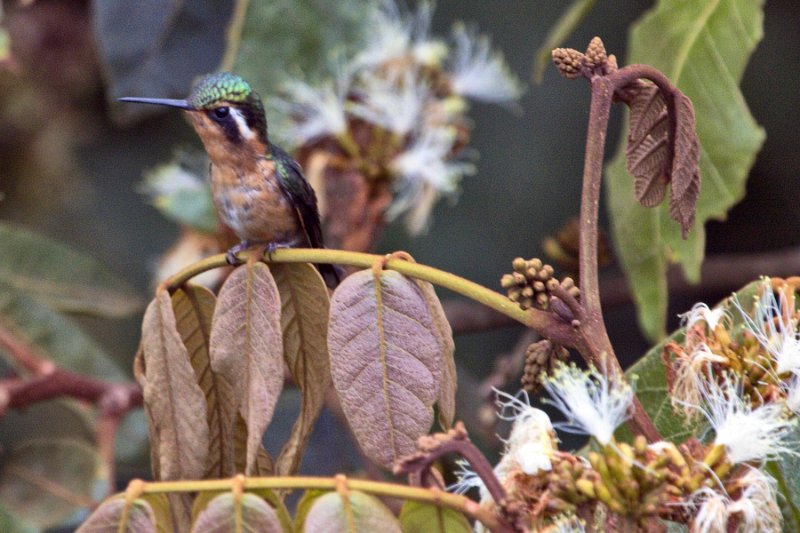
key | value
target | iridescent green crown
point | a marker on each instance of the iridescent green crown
(222, 86)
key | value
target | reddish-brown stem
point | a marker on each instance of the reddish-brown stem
(597, 346)
(421, 463)
(47, 381)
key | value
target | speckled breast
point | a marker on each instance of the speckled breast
(253, 205)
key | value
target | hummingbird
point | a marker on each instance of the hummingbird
(259, 191)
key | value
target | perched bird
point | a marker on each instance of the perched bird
(259, 191)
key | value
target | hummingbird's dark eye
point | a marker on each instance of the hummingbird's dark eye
(222, 112)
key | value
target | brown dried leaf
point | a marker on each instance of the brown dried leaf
(361, 512)
(194, 308)
(650, 147)
(685, 172)
(386, 361)
(648, 144)
(304, 321)
(247, 349)
(264, 464)
(227, 513)
(108, 518)
(447, 347)
(175, 402)
(141, 378)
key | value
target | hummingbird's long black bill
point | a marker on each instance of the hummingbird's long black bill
(180, 104)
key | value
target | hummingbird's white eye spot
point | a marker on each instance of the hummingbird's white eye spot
(222, 112)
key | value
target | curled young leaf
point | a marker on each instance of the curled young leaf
(304, 322)
(173, 400)
(228, 513)
(347, 513)
(685, 172)
(246, 349)
(386, 361)
(194, 308)
(660, 152)
(113, 517)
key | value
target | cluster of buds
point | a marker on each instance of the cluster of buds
(532, 282)
(541, 359)
(573, 64)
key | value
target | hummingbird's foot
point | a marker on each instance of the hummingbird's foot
(230, 255)
(274, 245)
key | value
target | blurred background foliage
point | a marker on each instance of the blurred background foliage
(72, 161)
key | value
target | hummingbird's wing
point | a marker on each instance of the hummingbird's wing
(302, 197)
(300, 194)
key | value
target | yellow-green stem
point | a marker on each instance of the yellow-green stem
(479, 293)
(378, 488)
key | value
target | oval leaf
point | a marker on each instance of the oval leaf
(386, 361)
(418, 517)
(226, 513)
(113, 517)
(48, 480)
(304, 322)
(355, 512)
(60, 276)
(247, 349)
(175, 402)
(194, 308)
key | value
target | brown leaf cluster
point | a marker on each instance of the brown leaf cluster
(212, 367)
(663, 149)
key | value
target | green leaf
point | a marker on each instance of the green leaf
(703, 47)
(60, 276)
(418, 517)
(48, 480)
(53, 336)
(560, 32)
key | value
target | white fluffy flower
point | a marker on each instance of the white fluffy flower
(467, 479)
(592, 403)
(775, 328)
(425, 171)
(712, 516)
(478, 72)
(392, 33)
(689, 376)
(530, 444)
(394, 102)
(701, 311)
(315, 111)
(748, 434)
(758, 503)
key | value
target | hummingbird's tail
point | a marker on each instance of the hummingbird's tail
(332, 274)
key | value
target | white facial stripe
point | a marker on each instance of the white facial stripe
(241, 123)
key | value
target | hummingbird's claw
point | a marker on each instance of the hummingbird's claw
(230, 255)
